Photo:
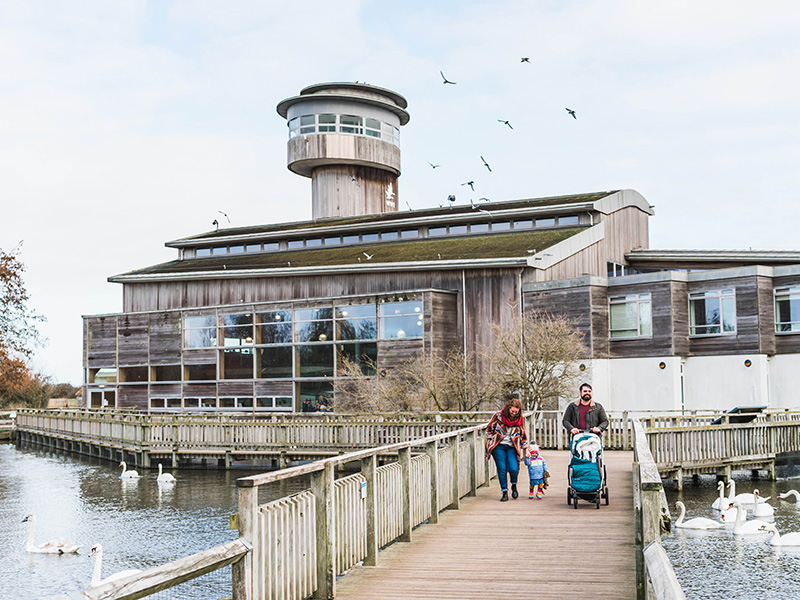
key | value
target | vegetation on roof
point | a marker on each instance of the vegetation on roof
(484, 246)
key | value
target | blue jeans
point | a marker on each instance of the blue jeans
(507, 462)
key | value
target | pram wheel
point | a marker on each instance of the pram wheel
(569, 495)
(606, 496)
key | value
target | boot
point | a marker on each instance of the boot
(505, 496)
(514, 492)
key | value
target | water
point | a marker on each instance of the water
(716, 564)
(139, 524)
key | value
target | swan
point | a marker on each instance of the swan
(761, 509)
(97, 549)
(787, 539)
(128, 474)
(696, 523)
(164, 477)
(59, 546)
(745, 528)
(719, 503)
(789, 494)
(743, 498)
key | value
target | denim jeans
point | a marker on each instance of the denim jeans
(505, 458)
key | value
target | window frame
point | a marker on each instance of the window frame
(638, 299)
(720, 294)
(792, 292)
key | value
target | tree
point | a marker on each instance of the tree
(536, 356)
(18, 336)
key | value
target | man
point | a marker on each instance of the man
(585, 414)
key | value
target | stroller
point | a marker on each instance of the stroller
(586, 472)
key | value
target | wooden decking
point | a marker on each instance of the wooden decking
(517, 549)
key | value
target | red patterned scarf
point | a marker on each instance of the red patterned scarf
(508, 422)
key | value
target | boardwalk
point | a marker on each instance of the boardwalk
(561, 552)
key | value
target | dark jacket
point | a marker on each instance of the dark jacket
(596, 417)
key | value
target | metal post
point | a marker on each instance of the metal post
(322, 488)
(369, 471)
(433, 459)
(404, 457)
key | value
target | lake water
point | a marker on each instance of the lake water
(139, 523)
(716, 564)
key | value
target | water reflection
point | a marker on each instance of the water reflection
(139, 523)
(718, 564)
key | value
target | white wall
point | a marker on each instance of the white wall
(784, 381)
(722, 382)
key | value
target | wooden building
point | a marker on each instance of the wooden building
(258, 318)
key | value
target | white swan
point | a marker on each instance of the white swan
(164, 477)
(59, 546)
(132, 474)
(761, 509)
(742, 527)
(696, 523)
(719, 503)
(743, 498)
(790, 493)
(97, 549)
(787, 539)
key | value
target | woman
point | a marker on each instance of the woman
(507, 442)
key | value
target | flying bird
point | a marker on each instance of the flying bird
(525, 59)
(470, 184)
(571, 112)
(485, 164)
(224, 215)
(433, 166)
(505, 123)
(445, 80)
(483, 200)
(215, 223)
(369, 256)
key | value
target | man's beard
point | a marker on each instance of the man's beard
(586, 397)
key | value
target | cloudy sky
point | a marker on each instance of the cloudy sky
(125, 124)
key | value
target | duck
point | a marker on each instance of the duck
(789, 494)
(742, 498)
(696, 523)
(761, 509)
(59, 546)
(126, 474)
(743, 527)
(164, 477)
(97, 550)
(787, 539)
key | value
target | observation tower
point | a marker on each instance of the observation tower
(346, 138)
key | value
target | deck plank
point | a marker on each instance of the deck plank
(523, 548)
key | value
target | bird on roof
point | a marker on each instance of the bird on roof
(471, 185)
(224, 215)
(408, 205)
(571, 112)
(433, 166)
(445, 80)
(483, 200)
(215, 223)
(485, 164)
(352, 178)
(505, 123)
(525, 59)
(369, 256)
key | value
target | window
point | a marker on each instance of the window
(356, 322)
(712, 313)
(314, 324)
(501, 225)
(315, 360)
(365, 355)
(203, 252)
(313, 242)
(369, 237)
(275, 327)
(167, 373)
(630, 316)
(236, 249)
(350, 124)
(103, 375)
(545, 222)
(200, 331)
(275, 362)
(207, 372)
(236, 363)
(458, 229)
(271, 246)
(133, 374)
(253, 248)
(350, 239)
(333, 241)
(295, 244)
(787, 309)
(400, 320)
(479, 227)
(568, 220)
(617, 270)
(524, 224)
(219, 250)
(409, 233)
(433, 231)
(389, 235)
(373, 128)
(307, 124)
(327, 123)
(237, 330)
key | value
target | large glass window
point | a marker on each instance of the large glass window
(200, 331)
(712, 313)
(275, 327)
(236, 363)
(787, 309)
(364, 354)
(237, 330)
(314, 324)
(275, 362)
(630, 316)
(315, 360)
(351, 124)
(207, 372)
(356, 322)
(400, 319)
(167, 373)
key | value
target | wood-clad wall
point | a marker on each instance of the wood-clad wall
(579, 304)
(661, 341)
(787, 342)
(680, 318)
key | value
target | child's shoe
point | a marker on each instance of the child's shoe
(532, 493)
(541, 490)
(539, 494)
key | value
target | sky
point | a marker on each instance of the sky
(127, 124)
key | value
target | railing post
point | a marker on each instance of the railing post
(369, 471)
(245, 584)
(433, 460)
(625, 432)
(456, 503)
(473, 466)
(404, 457)
(322, 488)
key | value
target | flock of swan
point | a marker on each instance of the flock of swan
(62, 546)
(731, 509)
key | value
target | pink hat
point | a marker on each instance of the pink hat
(534, 448)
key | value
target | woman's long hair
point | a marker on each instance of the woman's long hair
(514, 402)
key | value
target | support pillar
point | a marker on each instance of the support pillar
(433, 459)
(322, 488)
(369, 467)
(404, 457)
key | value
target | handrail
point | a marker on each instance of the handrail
(661, 574)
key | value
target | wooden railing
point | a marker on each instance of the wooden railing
(655, 576)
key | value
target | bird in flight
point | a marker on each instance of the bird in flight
(445, 80)
(505, 123)
(224, 215)
(483, 200)
(571, 112)
(369, 256)
(525, 59)
(215, 223)
(433, 166)
(485, 164)
(470, 184)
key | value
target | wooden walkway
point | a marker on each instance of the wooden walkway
(517, 549)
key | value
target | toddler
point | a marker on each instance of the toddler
(536, 470)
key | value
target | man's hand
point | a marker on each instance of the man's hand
(574, 430)
(596, 430)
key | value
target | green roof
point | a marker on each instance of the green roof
(468, 247)
(383, 219)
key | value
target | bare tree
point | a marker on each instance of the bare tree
(536, 356)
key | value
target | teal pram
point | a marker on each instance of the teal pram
(586, 472)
